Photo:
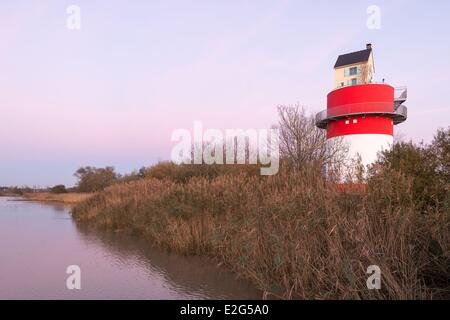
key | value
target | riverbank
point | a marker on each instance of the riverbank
(68, 198)
(293, 235)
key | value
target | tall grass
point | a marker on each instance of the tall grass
(293, 235)
(70, 198)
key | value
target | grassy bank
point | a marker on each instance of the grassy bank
(69, 198)
(293, 235)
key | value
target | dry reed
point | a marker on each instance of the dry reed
(293, 235)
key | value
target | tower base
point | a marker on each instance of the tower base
(367, 146)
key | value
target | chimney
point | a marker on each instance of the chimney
(369, 46)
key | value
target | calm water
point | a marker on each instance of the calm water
(39, 241)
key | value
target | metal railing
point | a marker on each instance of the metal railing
(398, 113)
(359, 84)
(399, 92)
(400, 96)
(355, 108)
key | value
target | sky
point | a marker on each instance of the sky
(112, 92)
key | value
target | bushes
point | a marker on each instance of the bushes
(294, 235)
(91, 179)
(58, 189)
(427, 165)
(182, 173)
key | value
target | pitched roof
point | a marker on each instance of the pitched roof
(351, 58)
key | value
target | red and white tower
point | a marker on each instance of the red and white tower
(362, 112)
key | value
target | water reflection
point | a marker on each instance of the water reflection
(40, 240)
(196, 276)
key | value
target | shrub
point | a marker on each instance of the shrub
(183, 173)
(427, 165)
(60, 188)
(91, 179)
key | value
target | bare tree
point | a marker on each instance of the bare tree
(399, 137)
(366, 75)
(301, 141)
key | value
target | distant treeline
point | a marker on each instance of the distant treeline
(18, 191)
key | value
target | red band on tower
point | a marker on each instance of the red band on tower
(360, 125)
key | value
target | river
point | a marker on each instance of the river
(39, 241)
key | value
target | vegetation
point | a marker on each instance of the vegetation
(60, 188)
(91, 179)
(15, 191)
(298, 235)
(428, 165)
(302, 142)
(294, 234)
(184, 172)
(68, 197)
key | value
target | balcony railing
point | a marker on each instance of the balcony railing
(359, 84)
(400, 93)
(400, 96)
(398, 113)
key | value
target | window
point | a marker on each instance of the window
(353, 71)
(354, 82)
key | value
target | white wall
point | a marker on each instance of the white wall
(367, 146)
